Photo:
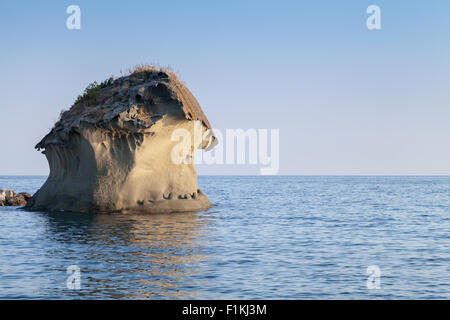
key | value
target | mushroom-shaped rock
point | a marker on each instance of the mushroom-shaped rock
(113, 151)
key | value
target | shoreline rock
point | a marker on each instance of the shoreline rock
(9, 198)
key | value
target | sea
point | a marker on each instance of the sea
(266, 237)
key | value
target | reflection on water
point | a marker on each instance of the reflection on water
(158, 252)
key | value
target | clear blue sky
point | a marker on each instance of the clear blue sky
(346, 100)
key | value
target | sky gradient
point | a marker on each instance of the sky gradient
(347, 100)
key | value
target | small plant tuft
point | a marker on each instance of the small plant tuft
(143, 68)
(91, 92)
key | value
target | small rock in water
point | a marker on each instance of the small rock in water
(13, 199)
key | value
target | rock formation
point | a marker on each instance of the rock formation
(112, 151)
(11, 198)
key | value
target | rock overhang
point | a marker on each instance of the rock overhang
(133, 102)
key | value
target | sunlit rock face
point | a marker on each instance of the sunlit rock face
(113, 150)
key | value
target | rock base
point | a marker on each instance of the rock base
(187, 203)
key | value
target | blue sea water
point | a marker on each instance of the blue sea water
(281, 237)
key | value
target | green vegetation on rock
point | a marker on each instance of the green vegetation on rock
(91, 92)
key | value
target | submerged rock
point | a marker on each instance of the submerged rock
(13, 199)
(112, 151)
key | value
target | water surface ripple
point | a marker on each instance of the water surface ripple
(282, 237)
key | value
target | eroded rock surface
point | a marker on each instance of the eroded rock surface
(13, 199)
(112, 150)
